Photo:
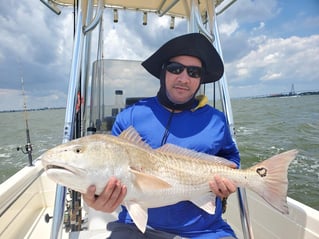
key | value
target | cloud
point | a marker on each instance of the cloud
(260, 27)
(283, 60)
(228, 28)
(13, 96)
(248, 11)
(271, 76)
(243, 26)
(259, 47)
(32, 48)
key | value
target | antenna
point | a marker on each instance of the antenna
(28, 147)
(292, 91)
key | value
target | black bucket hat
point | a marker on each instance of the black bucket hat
(193, 44)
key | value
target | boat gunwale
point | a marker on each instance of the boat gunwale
(22, 180)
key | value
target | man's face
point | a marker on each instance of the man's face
(180, 87)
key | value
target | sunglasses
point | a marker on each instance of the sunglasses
(177, 68)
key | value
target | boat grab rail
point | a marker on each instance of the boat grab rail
(241, 192)
(96, 18)
(213, 35)
(60, 196)
(69, 124)
(168, 8)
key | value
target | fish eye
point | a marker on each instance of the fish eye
(78, 150)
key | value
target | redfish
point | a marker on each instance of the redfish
(160, 177)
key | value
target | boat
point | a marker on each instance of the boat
(33, 206)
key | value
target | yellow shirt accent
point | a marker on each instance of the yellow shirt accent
(203, 100)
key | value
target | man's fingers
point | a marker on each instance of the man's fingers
(109, 199)
(89, 196)
(118, 196)
(91, 191)
(222, 187)
(231, 187)
(108, 190)
(215, 187)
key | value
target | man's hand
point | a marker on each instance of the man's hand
(222, 187)
(111, 197)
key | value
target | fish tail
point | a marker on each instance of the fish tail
(272, 182)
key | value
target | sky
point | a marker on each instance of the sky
(267, 47)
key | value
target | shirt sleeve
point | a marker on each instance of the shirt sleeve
(122, 121)
(229, 150)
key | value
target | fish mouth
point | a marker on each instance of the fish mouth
(51, 166)
(65, 168)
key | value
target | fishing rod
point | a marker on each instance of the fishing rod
(28, 147)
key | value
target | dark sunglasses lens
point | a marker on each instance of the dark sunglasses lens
(194, 71)
(175, 68)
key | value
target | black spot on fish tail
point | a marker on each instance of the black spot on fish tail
(262, 172)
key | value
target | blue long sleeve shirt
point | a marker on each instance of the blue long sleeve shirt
(204, 130)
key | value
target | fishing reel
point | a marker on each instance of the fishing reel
(27, 149)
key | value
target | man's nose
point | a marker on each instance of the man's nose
(183, 76)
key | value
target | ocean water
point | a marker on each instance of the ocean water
(267, 126)
(263, 126)
(46, 128)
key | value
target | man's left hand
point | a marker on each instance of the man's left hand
(222, 187)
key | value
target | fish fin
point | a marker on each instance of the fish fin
(131, 135)
(179, 151)
(148, 182)
(272, 175)
(206, 202)
(138, 214)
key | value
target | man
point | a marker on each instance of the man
(175, 116)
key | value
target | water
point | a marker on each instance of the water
(267, 126)
(46, 128)
(264, 127)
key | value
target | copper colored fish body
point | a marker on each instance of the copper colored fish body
(160, 177)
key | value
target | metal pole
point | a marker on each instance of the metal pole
(242, 198)
(59, 204)
(196, 23)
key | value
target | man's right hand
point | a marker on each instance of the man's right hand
(110, 198)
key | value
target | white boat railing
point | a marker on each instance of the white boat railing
(213, 35)
(60, 196)
(80, 59)
(226, 103)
